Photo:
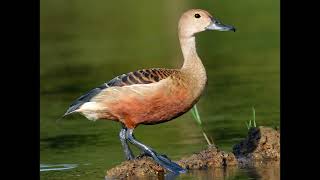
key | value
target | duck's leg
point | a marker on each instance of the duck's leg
(127, 151)
(161, 160)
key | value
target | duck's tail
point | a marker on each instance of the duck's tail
(69, 111)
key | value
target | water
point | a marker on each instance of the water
(85, 44)
(56, 167)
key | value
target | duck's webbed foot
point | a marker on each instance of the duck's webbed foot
(162, 160)
(127, 151)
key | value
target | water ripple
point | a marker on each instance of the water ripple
(56, 167)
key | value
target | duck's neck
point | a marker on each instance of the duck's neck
(192, 65)
(188, 47)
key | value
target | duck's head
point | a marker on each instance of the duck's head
(197, 20)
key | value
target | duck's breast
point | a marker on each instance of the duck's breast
(146, 103)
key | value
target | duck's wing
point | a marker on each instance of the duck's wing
(144, 76)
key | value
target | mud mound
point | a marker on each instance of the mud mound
(262, 144)
(211, 157)
(141, 167)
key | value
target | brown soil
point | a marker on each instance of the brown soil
(211, 157)
(262, 145)
(141, 167)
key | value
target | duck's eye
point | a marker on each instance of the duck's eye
(197, 16)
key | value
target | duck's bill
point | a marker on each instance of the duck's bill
(217, 25)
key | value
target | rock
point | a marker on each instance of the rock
(262, 144)
(211, 157)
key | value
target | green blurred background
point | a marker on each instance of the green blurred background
(86, 43)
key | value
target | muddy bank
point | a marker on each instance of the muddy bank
(260, 147)
(142, 166)
(211, 157)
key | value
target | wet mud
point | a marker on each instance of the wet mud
(260, 148)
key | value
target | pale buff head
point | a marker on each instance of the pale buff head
(197, 20)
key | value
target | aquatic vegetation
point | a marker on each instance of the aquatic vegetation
(253, 124)
(196, 116)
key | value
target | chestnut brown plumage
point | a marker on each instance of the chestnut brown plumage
(152, 96)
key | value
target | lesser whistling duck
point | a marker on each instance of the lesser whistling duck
(152, 96)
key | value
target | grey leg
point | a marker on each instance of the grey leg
(161, 160)
(127, 151)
